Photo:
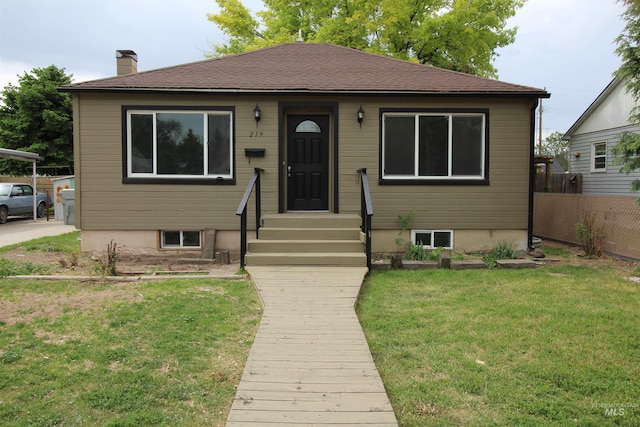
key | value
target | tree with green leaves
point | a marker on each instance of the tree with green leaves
(460, 35)
(554, 145)
(36, 117)
(627, 151)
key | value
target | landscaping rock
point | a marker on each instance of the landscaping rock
(536, 253)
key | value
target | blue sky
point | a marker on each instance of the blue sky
(565, 46)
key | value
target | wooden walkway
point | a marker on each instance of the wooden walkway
(310, 364)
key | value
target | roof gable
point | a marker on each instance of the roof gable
(307, 67)
(611, 109)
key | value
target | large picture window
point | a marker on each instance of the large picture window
(179, 144)
(433, 146)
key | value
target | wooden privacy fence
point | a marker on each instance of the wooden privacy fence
(555, 217)
(569, 183)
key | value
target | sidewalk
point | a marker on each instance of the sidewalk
(310, 364)
(17, 230)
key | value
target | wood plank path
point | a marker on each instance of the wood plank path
(310, 364)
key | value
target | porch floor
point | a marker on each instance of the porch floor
(310, 364)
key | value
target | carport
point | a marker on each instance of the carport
(24, 156)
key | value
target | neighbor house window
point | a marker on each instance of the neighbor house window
(433, 146)
(180, 239)
(179, 144)
(599, 157)
(431, 239)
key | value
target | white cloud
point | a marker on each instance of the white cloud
(10, 72)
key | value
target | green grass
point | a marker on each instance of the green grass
(161, 353)
(556, 251)
(551, 346)
(13, 268)
(68, 243)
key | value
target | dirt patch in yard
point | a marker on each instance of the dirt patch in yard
(126, 264)
(559, 253)
(50, 305)
(94, 292)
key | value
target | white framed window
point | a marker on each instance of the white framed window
(179, 144)
(432, 239)
(434, 146)
(171, 239)
(599, 157)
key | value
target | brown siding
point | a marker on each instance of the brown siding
(105, 203)
(501, 205)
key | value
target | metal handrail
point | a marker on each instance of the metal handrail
(366, 212)
(242, 212)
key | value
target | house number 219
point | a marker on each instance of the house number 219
(255, 134)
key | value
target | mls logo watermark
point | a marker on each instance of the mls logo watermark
(614, 412)
(617, 409)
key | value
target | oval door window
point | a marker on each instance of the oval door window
(308, 126)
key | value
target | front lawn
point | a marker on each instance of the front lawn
(113, 354)
(552, 346)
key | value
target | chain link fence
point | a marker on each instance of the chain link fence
(555, 217)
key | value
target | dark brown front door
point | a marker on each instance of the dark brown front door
(308, 162)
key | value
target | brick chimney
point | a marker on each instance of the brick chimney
(127, 62)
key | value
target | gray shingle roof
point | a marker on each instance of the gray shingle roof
(309, 68)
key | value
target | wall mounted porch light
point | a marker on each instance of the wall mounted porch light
(360, 115)
(256, 114)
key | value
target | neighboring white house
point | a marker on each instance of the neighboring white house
(592, 137)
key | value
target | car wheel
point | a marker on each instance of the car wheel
(42, 210)
(3, 214)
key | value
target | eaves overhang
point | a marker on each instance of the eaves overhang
(293, 91)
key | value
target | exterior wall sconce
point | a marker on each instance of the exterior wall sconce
(256, 114)
(576, 154)
(360, 115)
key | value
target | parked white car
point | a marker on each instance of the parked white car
(17, 199)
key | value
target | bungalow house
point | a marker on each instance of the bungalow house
(592, 137)
(163, 156)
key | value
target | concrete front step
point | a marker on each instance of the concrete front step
(308, 238)
(311, 220)
(298, 233)
(347, 259)
(305, 246)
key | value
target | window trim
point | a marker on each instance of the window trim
(181, 245)
(436, 180)
(430, 246)
(169, 179)
(594, 156)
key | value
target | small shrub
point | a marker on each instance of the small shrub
(405, 224)
(106, 265)
(504, 250)
(590, 234)
(417, 253)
